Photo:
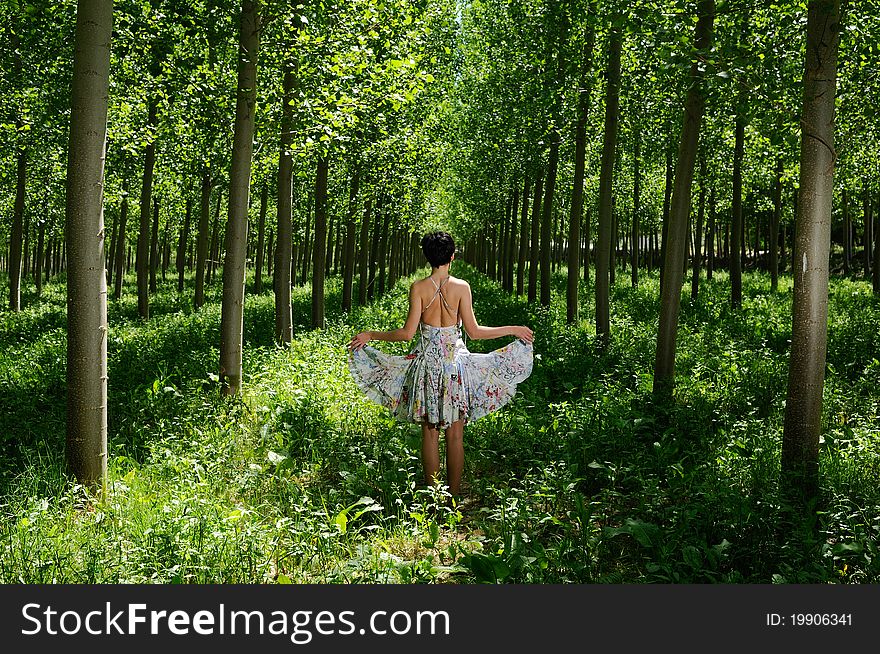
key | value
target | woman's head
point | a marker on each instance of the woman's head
(438, 248)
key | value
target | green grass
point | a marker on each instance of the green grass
(582, 478)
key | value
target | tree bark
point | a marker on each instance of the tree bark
(534, 249)
(680, 207)
(261, 239)
(774, 227)
(215, 241)
(523, 237)
(664, 227)
(16, 233)
(806, 375)
(284, 264)
(154, 245)
(232, 314)
(86, 435)
(120, 246)
(350, 226)
(142, 259)
(698, 238)
(736, 227)
(606, 183)
(710, 237)
(364, 263)
(320, 243)
(202, 239)
(41, 242)
(637, 192)
(183, 242)
(847, 233)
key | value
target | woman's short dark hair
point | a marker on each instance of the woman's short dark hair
(438, 248)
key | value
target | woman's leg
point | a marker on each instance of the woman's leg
(430, 452)
(454, 456)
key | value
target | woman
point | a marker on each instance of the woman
(439, 384)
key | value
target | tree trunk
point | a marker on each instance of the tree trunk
(154, 245)
(806, 375)
(261, 239)
(285, 263)
(866, 234)
(16, 234)
(637, 188)
(875, 269)
(698, 239)
(774, 227)
(374, 247)
(847, 234)
(606, 183)
(86, 280)
(232, 314)
(534, 249)
(523, 237)
(38, 273)
(215, 241)
(364, 262)
(736, 227)
(383, 249)
(670, 299)
(664, 227)
(710, 237)
(348, 266)
(182, 243)
(142, 260)
(120, 246)
(320, 243)
(202, 239)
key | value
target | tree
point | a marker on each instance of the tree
(806, 373)
(606, 183)
(232, 313)
(680, 207)
(87, 280)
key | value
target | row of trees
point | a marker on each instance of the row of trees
(331, 112)
(696, 136)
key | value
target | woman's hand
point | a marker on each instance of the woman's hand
(524, 333)
(359, 340)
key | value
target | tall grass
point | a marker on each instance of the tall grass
(582, 478)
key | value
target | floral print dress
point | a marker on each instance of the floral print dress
(440, 381)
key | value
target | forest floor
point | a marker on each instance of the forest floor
(582, 478)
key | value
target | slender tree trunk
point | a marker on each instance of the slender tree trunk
(806, 375)
(710, 237)
(261, 239)
(142, 261)
(670, 300)
(111, 252)
(364, 263)
(667, 198)
(154, 245)
(383, 249)
(120, 246)
(534, 249)
(348, 267)
(285, 263)
(698, 240)
(215, 241)
(202, 239)
(736, 227)
(847, 234)
(16, 234)
(86, 280)
(182, 243)
(774, 227)
(374, 247)
(637, 192)
(320, 245)
(866, 235)
(523, 238)
(875, 269)
(38, 273)
(510, 248)
(232, 314)
(606, 183)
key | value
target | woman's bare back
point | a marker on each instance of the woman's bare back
(440, 308)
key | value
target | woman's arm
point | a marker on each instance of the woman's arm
(404, 333)
(475, 331)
